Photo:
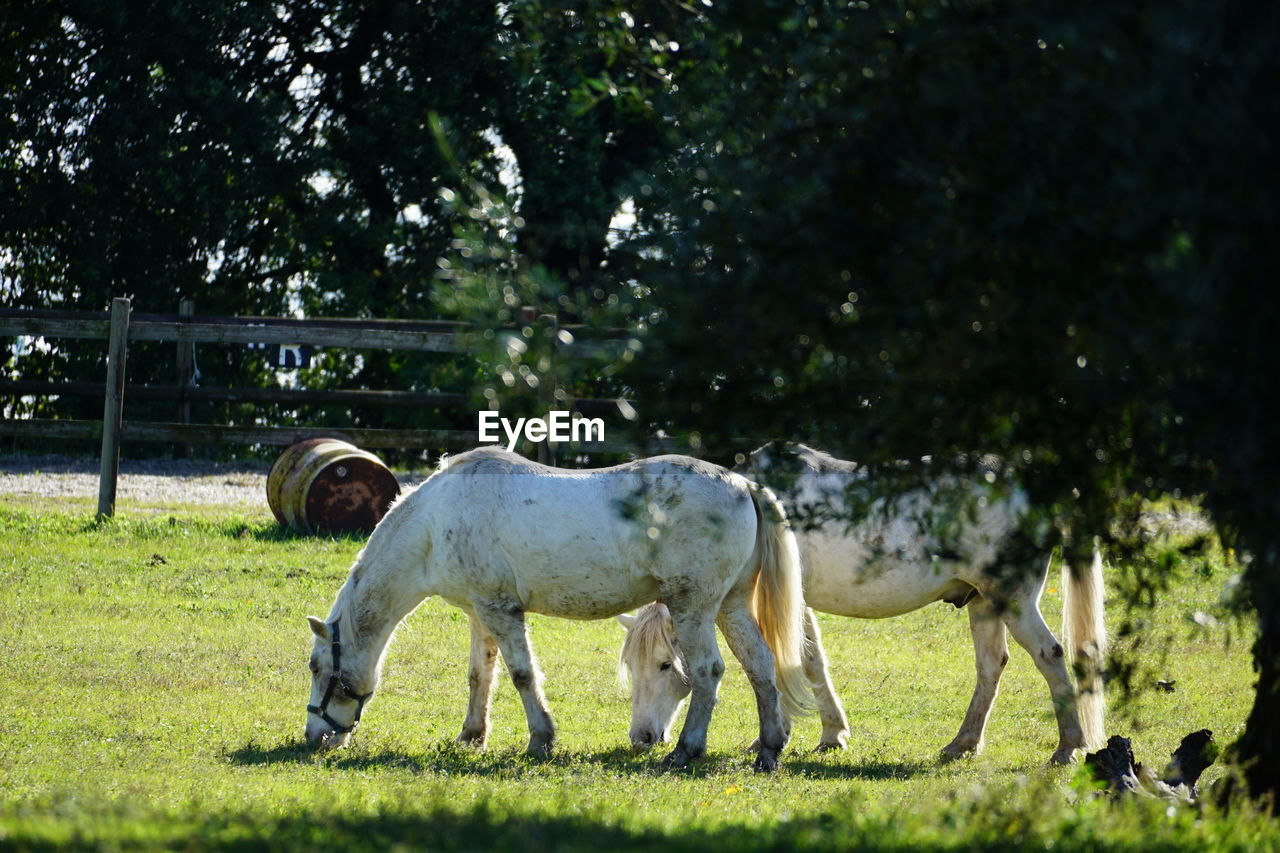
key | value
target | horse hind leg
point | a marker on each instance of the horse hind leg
(1029, 629)
(506, 624)
(696, 634)
(484, 654)
(991, 653)
(835, 726)
(749, 647)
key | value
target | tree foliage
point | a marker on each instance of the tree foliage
(968, 227)
(270, 158)
(891, 229)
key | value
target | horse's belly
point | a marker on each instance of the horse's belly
(588, 602)
(586, 576)
(847, 582)
(868, 599)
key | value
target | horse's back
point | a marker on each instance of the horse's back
(589, 542)
(931, 542)
(681, 486)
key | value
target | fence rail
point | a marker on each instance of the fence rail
(412, 335)
(120, 326)
(291, 396)
(271, 436)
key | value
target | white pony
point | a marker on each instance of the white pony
(962, 540)
(497, 535)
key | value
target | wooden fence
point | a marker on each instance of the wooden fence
(119, 326)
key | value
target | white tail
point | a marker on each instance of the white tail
(778, 601)
(1084, 633)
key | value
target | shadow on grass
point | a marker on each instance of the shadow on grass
(231, 526)
(485, 827)
(865, 770)
(279, 533)
(453, 759)
(253, 754)
(448, 758)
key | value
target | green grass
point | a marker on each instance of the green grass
(154, 677)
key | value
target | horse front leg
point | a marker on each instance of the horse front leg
(696, 634)
(990, 653)
(484, 653)
(835, 726)
(748, 646)
(504, 621)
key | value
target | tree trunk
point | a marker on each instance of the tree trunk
(1258, 750)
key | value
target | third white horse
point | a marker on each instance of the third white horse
(963, 540)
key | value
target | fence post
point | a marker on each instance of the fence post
(186, 364)
(113, 407)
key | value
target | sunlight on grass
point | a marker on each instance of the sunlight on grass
(155, 673)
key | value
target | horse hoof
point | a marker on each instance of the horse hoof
(677, 759)
(540, 748)
(830, 746)
(472, 739)
(755, 746)
(958, 749)
(766, 761)
(1063, 757)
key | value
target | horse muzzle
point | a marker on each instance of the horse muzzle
(643, 740)
(324, 737)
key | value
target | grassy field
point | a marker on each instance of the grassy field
(154, 673)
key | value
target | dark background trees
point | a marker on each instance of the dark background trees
(923, 228)
(888, 229)
(268, 158)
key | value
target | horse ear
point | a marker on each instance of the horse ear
(318, 627)
(626, 620)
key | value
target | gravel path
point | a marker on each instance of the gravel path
(157, 481)
(244, 484)
(150, 481)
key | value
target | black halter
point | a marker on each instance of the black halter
(336, 681)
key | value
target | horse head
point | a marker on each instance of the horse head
(659, 679)
(337, 700)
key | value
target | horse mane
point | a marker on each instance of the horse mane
(386, 534)
(821, 461)
(792, 459)
(396, 514)
(962, 463)
(649, 637)
(479, 454)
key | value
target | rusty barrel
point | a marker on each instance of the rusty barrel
(328, 484)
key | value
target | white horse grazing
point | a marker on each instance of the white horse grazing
(959, 540)
(497, 535)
